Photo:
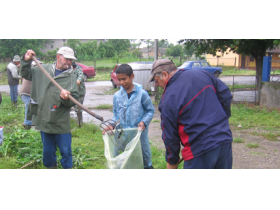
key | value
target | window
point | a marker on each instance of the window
(204, 64)
(251, 59)
(196, 65)
(64, 40)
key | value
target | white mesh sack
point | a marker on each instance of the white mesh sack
(123, 149)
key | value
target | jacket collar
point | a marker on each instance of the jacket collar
(70, 70)
(136, 88)
(174, 77)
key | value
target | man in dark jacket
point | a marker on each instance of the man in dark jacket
(50, 107)
(195, 108)
(13, 78)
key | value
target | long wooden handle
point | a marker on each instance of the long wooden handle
(60, 88)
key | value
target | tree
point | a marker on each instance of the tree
(73, 43)
(176, 50)
(251, 47)
(135, 48)
(11, 47)
(189, 52)
(88, 50)
(119, 45)
(148, 42)
(164, 43)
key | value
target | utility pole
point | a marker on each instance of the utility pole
(156, 50)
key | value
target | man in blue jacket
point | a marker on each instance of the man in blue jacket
(195, 108)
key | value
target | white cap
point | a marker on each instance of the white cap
(16, 58)
(67, 52)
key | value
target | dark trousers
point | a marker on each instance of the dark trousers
(218, 158)
(50, 143)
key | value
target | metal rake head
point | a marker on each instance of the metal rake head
(117, 136)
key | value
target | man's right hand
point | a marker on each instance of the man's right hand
(28, 55)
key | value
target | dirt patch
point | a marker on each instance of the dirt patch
(265, 155)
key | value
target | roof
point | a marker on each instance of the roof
(145, 49)
(274, 50)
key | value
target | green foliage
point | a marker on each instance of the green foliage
(11, 47)
(176, 50)
(51, 55)
(73, 43)
(164, 43)
(251, 47)
(120, 46)
(21, 147)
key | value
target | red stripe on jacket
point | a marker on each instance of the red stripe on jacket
(187, 152)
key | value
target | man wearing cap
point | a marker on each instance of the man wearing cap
(195, 108)
(13, 78)
(49, 107)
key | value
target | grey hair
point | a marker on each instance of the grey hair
(159, 74)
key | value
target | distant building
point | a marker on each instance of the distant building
(238, 61)
(57, 43)
(144, 51)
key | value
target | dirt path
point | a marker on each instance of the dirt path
(265, 156)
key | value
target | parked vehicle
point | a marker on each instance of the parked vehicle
(141, 70)
(201, 64)
(88, 71)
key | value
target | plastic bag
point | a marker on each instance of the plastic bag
(123, 151)
(1, 135)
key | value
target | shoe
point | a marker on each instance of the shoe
(151, 167)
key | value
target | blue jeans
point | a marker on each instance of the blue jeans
(14, 92)
(218, 158)
(26, 101)
(50, 143)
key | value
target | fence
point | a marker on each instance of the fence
(243, 88)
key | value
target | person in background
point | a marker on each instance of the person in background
(13, 78)
(25, 97)
(82, 91)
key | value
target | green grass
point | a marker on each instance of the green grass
(155, 120)
(104, 106)
(101, 75)
(21, 147)
(250, 116)
(241, 87)
(252, 145)
(238, 140)
(158, 158)
(228, 70)
(257, 153)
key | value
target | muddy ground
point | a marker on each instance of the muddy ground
(266, 156)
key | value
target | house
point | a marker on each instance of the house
(144, 51)
(52, 44)
(241, 61)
